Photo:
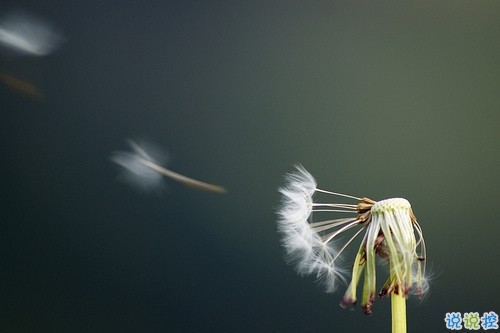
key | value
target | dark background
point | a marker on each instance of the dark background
(377, 99)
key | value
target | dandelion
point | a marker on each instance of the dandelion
(144, 171)
(390, 229)
(26, 34)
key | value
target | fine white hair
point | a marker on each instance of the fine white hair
(135, 172)
(304, 247)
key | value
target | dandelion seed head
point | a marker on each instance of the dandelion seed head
(391, 232)
(390, 205)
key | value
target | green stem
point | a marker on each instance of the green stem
(398, 306)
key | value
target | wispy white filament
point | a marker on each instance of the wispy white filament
(304, 246)
(135, 172)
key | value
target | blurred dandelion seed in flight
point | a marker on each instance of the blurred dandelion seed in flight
(141, 169)
(390, 231)
(25, 34)
(22, 33)
(21, 86)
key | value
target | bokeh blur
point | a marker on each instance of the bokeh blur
(377, 99)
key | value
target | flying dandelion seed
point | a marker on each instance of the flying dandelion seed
(390, 231)
(21, 86)
(26, 34)
(141, 169)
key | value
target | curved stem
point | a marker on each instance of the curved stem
(180, 178)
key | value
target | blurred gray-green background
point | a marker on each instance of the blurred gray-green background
(374, 98)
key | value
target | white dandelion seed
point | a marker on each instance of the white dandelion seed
(26, 34)
(391, 232)
(141, 169)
